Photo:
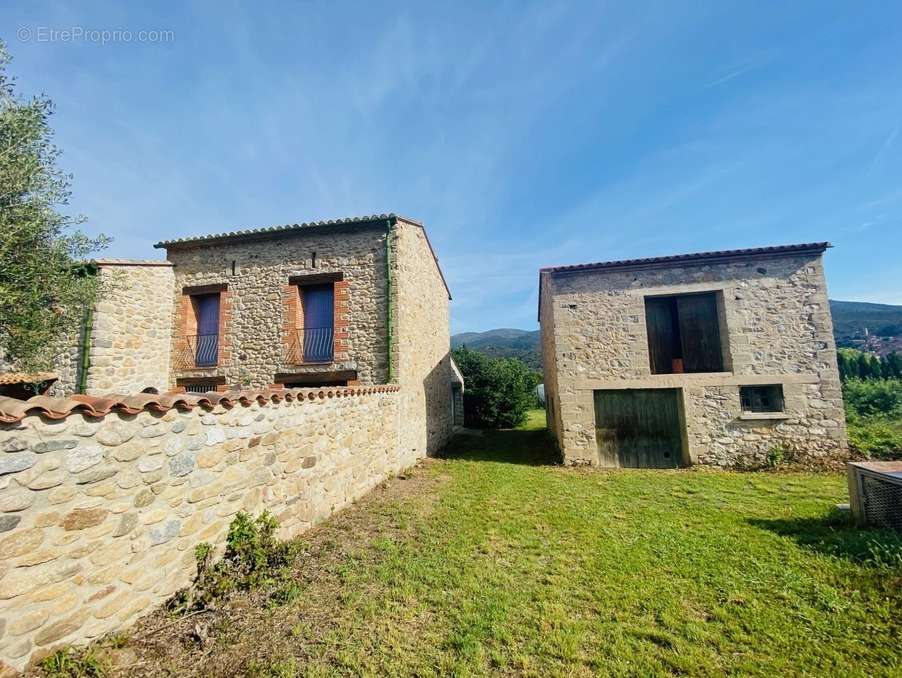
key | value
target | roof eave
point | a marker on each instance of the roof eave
(690, 259)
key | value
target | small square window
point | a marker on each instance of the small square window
(762, 398)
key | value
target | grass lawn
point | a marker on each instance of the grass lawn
(494, 562)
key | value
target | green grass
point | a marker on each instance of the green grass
(492, 561)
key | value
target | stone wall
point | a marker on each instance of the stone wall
(130, 332)
(778, 330)
(549, 359)
(257, 272)
(422, 344)
(99, 516)
(128, 338)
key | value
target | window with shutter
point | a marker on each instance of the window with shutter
(684, 334)
(206, 309)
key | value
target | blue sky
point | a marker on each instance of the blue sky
(522, 134)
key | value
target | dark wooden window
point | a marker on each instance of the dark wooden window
(762, 398)
(683, 334)
(311, 379)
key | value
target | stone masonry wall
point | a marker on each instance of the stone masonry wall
(422, 343)
(99, 517)
(778, 331)
(255, 327)
(549, 359)
(131, 330)
(129, 334)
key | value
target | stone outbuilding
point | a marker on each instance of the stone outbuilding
(723, 358)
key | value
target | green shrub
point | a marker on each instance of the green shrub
(253, 558)
(498, 392)
(776, 456)
(873, 397)
(855, 364)
(875, 437)
(70, 663)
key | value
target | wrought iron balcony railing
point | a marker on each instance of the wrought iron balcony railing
(310, 345)
(201, 350)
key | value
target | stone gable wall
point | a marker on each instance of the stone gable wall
(549, 360)
(256, 324)
(129, 336)
(99, 517)
(778, 330)
(422, 343)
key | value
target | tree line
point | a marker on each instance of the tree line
(854, 364)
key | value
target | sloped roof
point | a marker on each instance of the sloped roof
(256, 233)
(696, 257)
(289, 229)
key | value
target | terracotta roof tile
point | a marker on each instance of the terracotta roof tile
(26, 378)
(13, 410)
(285, 228)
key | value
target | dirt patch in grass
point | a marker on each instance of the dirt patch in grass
(244, 633)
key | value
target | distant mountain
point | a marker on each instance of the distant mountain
(874, 327)
(504, 343)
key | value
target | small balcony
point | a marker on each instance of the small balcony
(311, 345)
(200, 351)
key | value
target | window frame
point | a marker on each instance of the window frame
(663, 316)
(773, 393)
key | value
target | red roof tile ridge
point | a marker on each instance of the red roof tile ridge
(13, 410)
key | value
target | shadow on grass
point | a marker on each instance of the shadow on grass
(835, 534)
(513, 446)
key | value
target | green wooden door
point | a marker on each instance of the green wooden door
(638, 428)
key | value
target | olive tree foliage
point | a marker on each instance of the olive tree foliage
(44, 286)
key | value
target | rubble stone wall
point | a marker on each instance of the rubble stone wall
(256, 275)
(422, 344)
(131, 329)
(776, 329)
(99, 517)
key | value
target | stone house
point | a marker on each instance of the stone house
(351, 302)
(722, 358)
(322, 352)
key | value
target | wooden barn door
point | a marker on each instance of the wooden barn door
(638, 428)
